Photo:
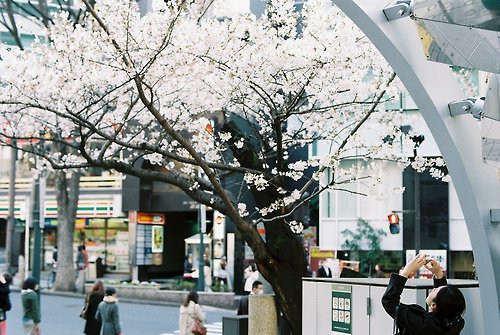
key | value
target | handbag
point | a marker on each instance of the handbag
(197, 328)
(84, 311)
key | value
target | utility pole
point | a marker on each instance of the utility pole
(202, 215)
(11, 223)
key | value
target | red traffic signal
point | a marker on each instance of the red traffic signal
(393, 223)
(393, 218)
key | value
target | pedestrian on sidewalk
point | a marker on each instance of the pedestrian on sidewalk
(93, 299)
(107, 313)
(251, 274)
(31, 307)
(207, 272)
(446, 303)
(379, 273)
(5, 281)
(81, 265)
(256, 290)
(190, 313)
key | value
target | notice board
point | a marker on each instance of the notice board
(341, 309)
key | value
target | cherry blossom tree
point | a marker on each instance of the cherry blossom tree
(185, 96)
(20, 19)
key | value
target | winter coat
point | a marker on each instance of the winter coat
(413, 319)
(207, 272)
(187, 315)
(252, 276)
(4, 298)
(107, 314)
(31, 305)
(92, 325)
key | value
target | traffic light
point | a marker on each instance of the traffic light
(393, 223)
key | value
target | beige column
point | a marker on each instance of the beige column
(262, 315)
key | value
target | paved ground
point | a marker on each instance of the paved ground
(60, 317)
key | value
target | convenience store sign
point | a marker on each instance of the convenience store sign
(341, 309)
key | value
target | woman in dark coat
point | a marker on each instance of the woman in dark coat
(94, 297)
(5, 281)
(446, 303)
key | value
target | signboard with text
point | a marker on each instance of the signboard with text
(341, 309)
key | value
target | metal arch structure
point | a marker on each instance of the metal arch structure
(432, 86)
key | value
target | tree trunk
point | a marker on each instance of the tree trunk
(67, 204)
(285, 276)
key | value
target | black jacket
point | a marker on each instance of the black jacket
(413, 319)
(243, 306)
(324, 272)
(92, 325)
(4, 297)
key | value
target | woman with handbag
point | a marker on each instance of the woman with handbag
(107, 313)
(31, 307)
(191, 316)
(94, 298)
(445, 303)
(5, 306)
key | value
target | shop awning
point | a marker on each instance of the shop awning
(195, 239)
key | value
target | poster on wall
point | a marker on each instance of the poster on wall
(341, 309)
(157, 239)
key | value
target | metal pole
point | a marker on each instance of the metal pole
(417, 216)
(202, 214)
(27, 226)
(38, 219)
(9, 243)
(37, 237)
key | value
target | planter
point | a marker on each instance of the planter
(225, 300)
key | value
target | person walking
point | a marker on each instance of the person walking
(5, 281)
(107, 313)
(190, 313)
(207, 272)
(31, 307)
(243, 305)
(379, 273)
(94, 298)
(81, 264)
(251, 274)
(446, 303)
(324, 271)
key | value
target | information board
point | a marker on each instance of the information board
(341, 309)
(144, 252)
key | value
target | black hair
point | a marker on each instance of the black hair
(8, 278)
(192, 296)
(256, 284)
(207, 262)
(450, 302)
(109, 291)
(30, 283)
